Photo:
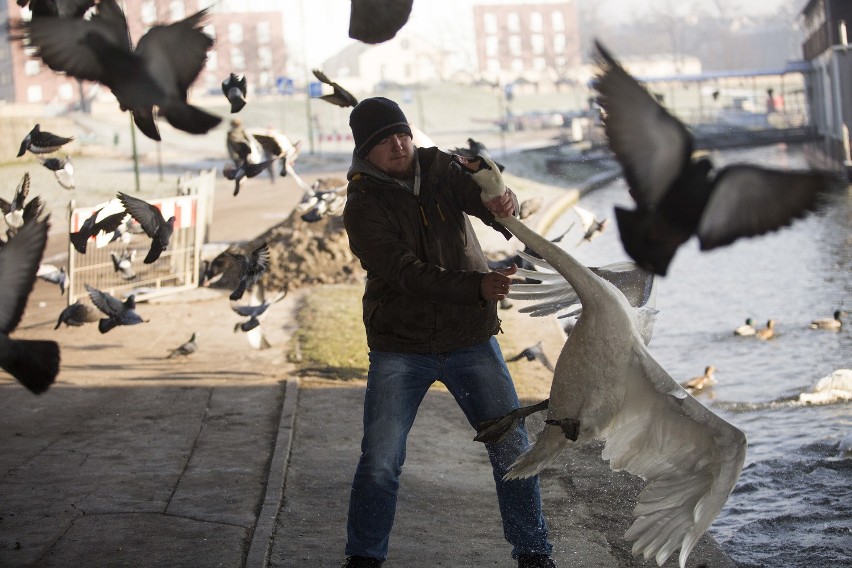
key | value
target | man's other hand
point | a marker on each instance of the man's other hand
(495, 285)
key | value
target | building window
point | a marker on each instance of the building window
(539, 64)
(177, 10)
(238, 61)
(518, 66)
(212, 62)
(515, 46)
(557, 19)
(264, 57)
(31, 67)
(34, 94)
(492, 46)
(235, 32)
(537, 42)
(536, 22)
(493, 66)
(513, 22)
(148, 12)
(264, 33)
(559, 43)
(489, 22)
(66, 91)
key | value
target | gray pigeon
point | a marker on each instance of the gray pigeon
(54, 275)
(63, 170)
(123, 263)
(234, 88)
(250, 268)
(117, 312)
(19, 210)
(40, 141)
(340, 97)
(34, 363)
(156, 73)
(677, 195)
(76, 315)
(185, 349)
(533, 353)
(153, 223)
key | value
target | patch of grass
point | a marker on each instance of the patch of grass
(331, 341)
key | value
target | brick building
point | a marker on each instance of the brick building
(536, 41)
(246, 41)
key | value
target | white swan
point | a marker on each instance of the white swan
(608, 386)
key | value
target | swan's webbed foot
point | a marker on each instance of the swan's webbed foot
(494, 431)
(570, 427)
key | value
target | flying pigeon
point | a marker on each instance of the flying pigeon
(60, 8)
(153, 223)
(157, 73)
(54, 275)
(234, 88)
(62, 168)
(608, 386)
(34, 363)
(77, 314)
(592, 226)
(678, 195)
(185, 349)
(277, 146)
(250, 268)
(117, 312)
(533, 353)
(19, 210)
(40, 141)
(123, 263)
(98, 222)
(254, 311)
(376, 21)
(239, 171)
(340, 97)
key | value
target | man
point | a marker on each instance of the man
(430, 312)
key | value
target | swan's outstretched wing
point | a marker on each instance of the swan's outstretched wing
(690, 458)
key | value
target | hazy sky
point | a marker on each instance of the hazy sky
(326, 22)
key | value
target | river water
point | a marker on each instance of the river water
(792, 506)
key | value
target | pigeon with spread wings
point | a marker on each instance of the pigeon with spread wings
(153, 223)
(101, 220)
(250, 267)
(235, 88)
(20, 211)
(34, 363)
(157, 73)
(117, 312)
(40, 141)
(678, 195)
(63, 170)
(340, 97)
(608, 386)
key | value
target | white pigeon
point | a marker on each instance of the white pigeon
(592, 227)
(608, 386)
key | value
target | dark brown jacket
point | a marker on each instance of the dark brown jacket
(424, 263)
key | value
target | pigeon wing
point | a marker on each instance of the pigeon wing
(19, 262)
(269, 144)
(110, 305)
(751, 200)
(652, 146)
(376, 21)
(690, 458)
(586, 217)
(148, 216)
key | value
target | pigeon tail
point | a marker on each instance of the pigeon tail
(190, 119)
(79, 240)
(34, 363)
(547, 448)
(106, 324)
(144, 120)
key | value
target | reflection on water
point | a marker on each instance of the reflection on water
(793, 503)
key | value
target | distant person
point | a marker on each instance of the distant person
(430, 312)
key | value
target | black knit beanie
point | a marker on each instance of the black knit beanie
(374, 119)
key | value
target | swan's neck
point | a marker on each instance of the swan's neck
(583, 280)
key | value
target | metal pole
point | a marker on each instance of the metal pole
(135, 155)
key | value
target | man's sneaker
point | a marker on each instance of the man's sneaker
(535, 561)
(363, 562)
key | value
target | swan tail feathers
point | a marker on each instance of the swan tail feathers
(543, 452)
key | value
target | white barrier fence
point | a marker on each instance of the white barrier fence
(178, 266)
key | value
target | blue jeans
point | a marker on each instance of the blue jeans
(396, 383)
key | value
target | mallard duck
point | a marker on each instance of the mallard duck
(696, 384)
(768, 332)
(746, 329)
(608, 386)
(833, 323)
